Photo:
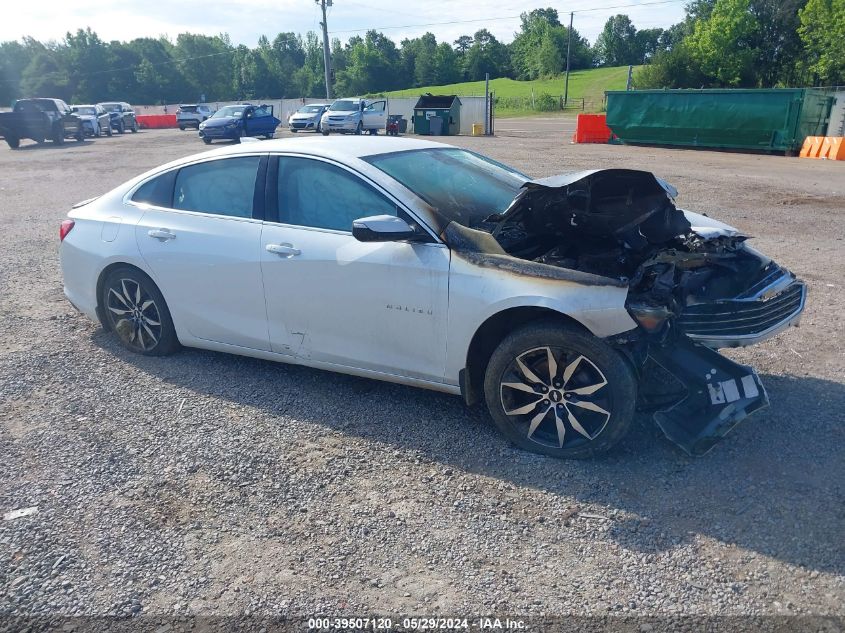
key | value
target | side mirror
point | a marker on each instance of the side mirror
(383, 228)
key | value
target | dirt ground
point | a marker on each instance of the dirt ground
(206, 484)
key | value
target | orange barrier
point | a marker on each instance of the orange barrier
(807, 146)
(156, 121)
(592, 128)
(837, 148)
(829, 147)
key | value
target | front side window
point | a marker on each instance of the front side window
(230, 111)
(261, 112)
(463, 186)
(225, 186)
(378, 106)
(344, 106)
(323, 196)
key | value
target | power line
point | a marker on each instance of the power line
(505, 17)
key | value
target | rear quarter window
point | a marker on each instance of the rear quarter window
(157, 192)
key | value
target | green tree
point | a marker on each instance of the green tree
(206, 63)
(822, 31)
(617, 44)
(44, 76)
(486, 55)
(723, 46)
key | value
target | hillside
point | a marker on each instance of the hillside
(514, 97)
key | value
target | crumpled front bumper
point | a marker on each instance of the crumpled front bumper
(719, 394)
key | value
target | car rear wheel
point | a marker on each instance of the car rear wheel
(136, 311)
(555, 389)
(206, 140)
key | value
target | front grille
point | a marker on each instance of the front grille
(742, 317)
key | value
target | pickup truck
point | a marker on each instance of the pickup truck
(39, 120)
(355, 116)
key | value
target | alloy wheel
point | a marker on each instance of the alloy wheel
(134, 315)
(556, 397)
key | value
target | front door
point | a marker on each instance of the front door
(375, 115)
(333, 299)
(204, 252)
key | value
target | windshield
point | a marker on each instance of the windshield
(188, 108)
(310, 109)
(84, 109)
(111, 107)
(235, 111)
(463, 186)
(344, 106)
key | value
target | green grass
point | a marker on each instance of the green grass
(514, 97)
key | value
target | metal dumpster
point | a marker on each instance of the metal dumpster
(437, 115)
(768, 120)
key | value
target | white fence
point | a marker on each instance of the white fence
(472, 109)
(836, 127)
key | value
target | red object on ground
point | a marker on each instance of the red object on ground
(156, 121)
(592, 128)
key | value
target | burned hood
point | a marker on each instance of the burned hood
(632, 206)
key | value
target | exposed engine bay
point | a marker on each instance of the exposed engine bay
(694, 285)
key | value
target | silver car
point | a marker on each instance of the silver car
(308, 117)
(562, 303)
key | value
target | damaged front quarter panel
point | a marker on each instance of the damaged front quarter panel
(692, 284)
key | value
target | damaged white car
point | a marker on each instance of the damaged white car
(556, 301)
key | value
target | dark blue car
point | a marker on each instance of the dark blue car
(237, 121)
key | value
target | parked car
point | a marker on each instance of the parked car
(235, 122)
(355, 116)
(558, 302)
(122, 116)
(95, 120)
(307, 117)
(39, 120)
(192, 114)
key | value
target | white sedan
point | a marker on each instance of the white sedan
(553, 301)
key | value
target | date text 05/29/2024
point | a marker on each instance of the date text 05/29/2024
(415, 624)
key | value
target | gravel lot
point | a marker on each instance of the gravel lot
(215, 485)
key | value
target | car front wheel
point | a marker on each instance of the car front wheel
(135, 310)
(555, 389)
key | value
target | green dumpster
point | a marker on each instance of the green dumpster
(769, 120)
(437, 115)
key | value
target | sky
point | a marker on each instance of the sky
(246, 20)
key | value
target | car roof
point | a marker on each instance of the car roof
(338, 147)
(84, 105)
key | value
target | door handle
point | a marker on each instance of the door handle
(283, 250)
(162, 234)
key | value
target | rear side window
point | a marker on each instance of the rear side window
(157, 192)
(225, 187)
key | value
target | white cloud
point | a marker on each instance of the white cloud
(246, 21)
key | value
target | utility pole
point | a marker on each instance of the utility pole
(568, 52)
(327, 53)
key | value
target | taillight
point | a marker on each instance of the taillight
(65, 228)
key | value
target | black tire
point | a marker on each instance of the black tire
(182, 127)
(293, 130)
(373, 132)
(603, 377)
(324, 132)
(150, 330)
(134, 127)
(121, 128)
(206, 140)
(59, 136)
(13, 142)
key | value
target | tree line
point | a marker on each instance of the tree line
(733, 43)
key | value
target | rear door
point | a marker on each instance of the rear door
(202, 247)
